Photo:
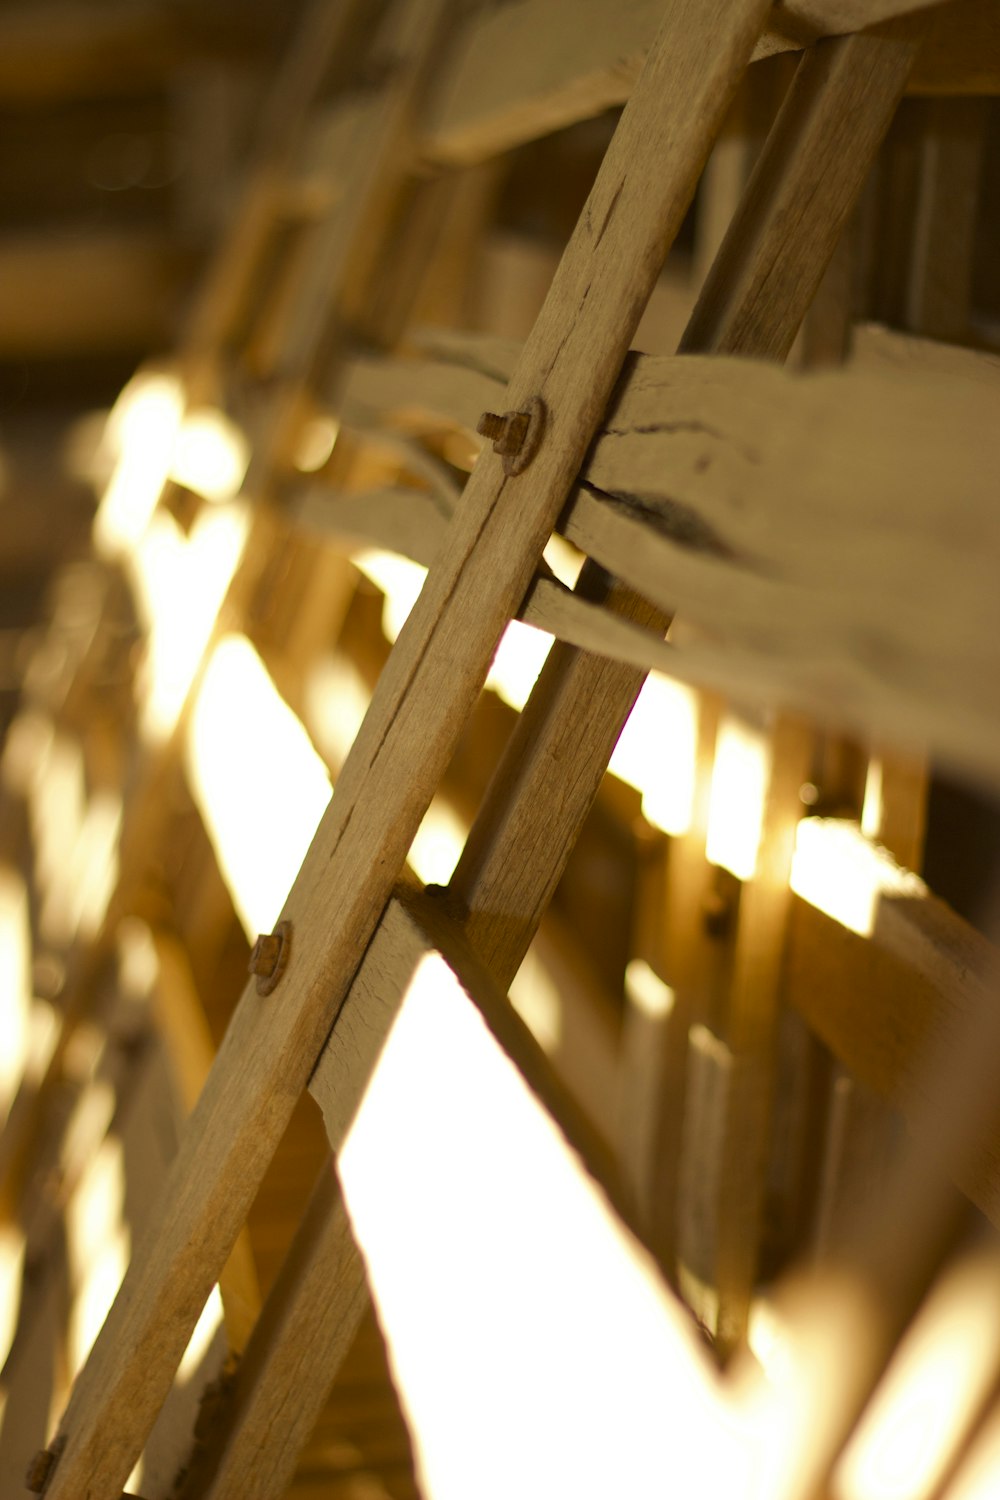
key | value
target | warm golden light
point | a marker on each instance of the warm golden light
(978, 1477)
(140, 435)
(536, 1350)
(836, 869)
(180, 584)
(438, 843)
(535, 996)
(871, 807)
(15, 985)
(210, 454)
(736, 805)
(246, 749)
(336, 699)
(98, 1245)
(315, 444)
(645, 990)
(399, 579)
(656, 752)
(518, 659)
(206, 1330)
(11, 1272)
(935, 1386)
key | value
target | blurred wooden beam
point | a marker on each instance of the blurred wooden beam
(575, 58)
(88, 292)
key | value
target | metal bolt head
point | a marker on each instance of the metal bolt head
(39, 1470)
(515, 435)
(269, 957)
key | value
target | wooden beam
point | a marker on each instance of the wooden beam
(423, 698)
(87, 293)
(576, 59)
(289, 1366)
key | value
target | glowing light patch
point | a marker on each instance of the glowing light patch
(536, 1352)
(518, 660)
(399, 579)
(316, 443)
(200, 1342)
(15, 985)
(736, 805)
(98, 1243)
(871, 807)
(656, 752)
(438, 843)
(141, 431)
(245, 748)
(978, 1477)
(646, 990)
(535, 996)
(336, 699)
(934, 1387)
(180, 584)
(11, 1270)
(836, 869)
(210, 455)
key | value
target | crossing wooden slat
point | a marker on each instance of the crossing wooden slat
(290, 1363)
(547, 742)
(423, 697)
(575, 61)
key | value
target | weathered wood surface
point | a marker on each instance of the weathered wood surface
(423, 698)
(575, 60)
(290, 1363)
(834, 534)
(896, 1005)
(830, 125)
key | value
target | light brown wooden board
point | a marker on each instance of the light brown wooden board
(831, 533)
(422, 700)
(575, 60)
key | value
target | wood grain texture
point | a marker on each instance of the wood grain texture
(576, 58)
(289, 1366)
(895, 1005)
(422, 700)
(834, 117)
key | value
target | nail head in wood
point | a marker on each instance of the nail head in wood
(269, 957)
(516, 434)
(41, 1467)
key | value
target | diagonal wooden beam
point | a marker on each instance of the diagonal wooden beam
(432, 679)
(551, 768)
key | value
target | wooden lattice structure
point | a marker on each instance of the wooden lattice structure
(743, 1095)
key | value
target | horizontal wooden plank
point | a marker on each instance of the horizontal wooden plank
(760, 509)
(89, 292)
(575, 60)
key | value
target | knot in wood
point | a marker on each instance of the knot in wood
(269, 957)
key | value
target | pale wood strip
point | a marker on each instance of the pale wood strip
(576, 59)
(182, 1025)
(751, 1022)
(289, 1366)
(423, 698)
(740, 307)
(894, 1004)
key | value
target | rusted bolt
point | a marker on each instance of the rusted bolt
(41, 1466)
(515, 435)
(269, 957)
